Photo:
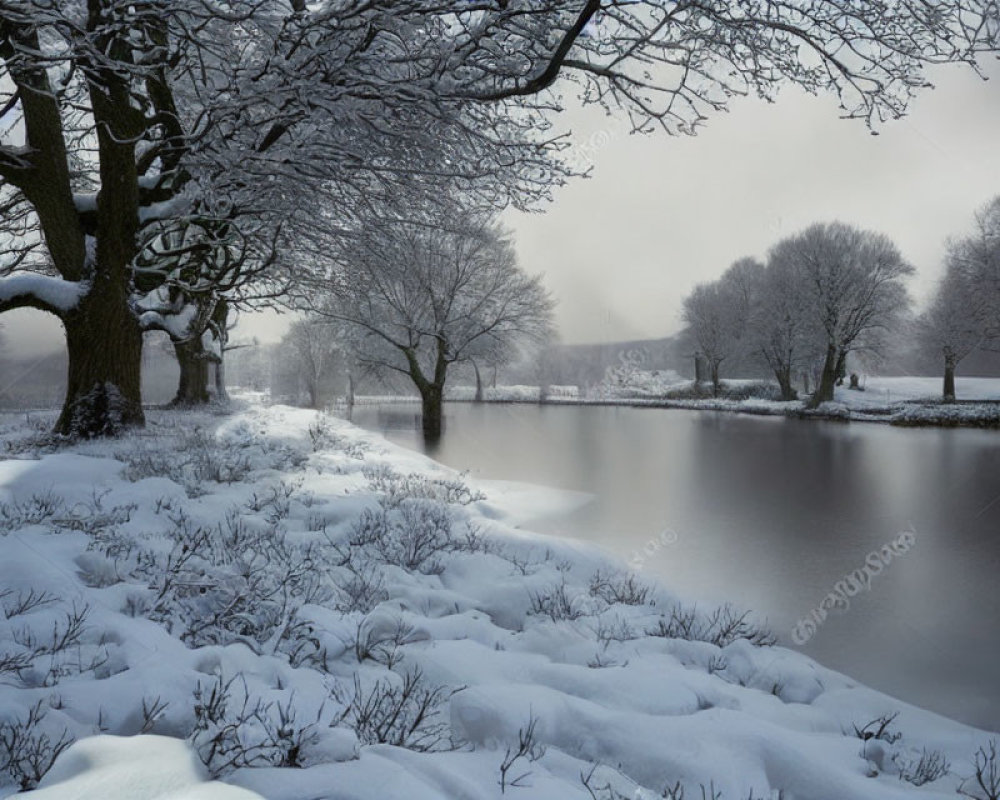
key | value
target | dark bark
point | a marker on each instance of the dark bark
(715, 379)
(192, 387)
(103, 337)
(784, 377)
(828, 379)
(104, 343)
(479, 383)
(431, 392)
(841, 369)
(699, 372)
(948, 394)
(432, 412)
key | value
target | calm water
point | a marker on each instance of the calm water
(770, 513)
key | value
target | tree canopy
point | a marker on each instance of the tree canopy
(156, 153)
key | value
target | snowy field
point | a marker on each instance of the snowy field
(284, 603)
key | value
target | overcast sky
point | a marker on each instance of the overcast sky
(660, 214)
(621, 249)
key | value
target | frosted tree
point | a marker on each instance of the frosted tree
(964, 314)
(417, 296)
(782, 326)
(953, 324)
(313, 350)
(122, 119)
(718, 314)
(853, 282)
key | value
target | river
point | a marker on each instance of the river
(771, 513)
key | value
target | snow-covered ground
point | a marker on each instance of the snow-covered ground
(900, 401)
(889, 391)
(320, 614)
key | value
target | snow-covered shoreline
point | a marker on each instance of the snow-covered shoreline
(904, 402)
(322, 614)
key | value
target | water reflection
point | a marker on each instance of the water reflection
(771, 513)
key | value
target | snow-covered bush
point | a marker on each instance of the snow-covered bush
(560, 603)
(721, 627)
(238, 580)
(401, 710)
(43, 640)
(623, 588)
(409, 533)
(323, 437)
(28, 748)
(396, 487)
(984, 784)
(195, 458)
(929, 766)
(528, 749)
(234, 728)
(34, 510)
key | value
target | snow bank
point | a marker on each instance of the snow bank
(321, 614)
(138, 768)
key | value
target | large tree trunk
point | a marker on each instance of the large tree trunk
(715, 379)
(432, 411)
(103, 337)
(221, 395)
(103, 391)
(948, 395)
(192, 387)
(824, 392)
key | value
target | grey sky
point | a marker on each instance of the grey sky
(660, 214)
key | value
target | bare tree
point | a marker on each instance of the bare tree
(782, 327)
(313, 349)
(852, 281)
(417, 298)
(953, 324)
(964, 314)
(717, 315)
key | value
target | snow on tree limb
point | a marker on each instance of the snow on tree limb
(29, 290)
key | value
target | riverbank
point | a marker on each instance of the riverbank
(321, 614)
(904, 402)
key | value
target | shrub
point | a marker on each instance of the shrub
(879, 728)
(558, 603)
(398, 488)
(234, 729)
(929, 767)
(528, 747)
(233, 582)
(722, 627)
(400, 711)
(985, 783)
(614, 588)
(411, 534)
(27, 751)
